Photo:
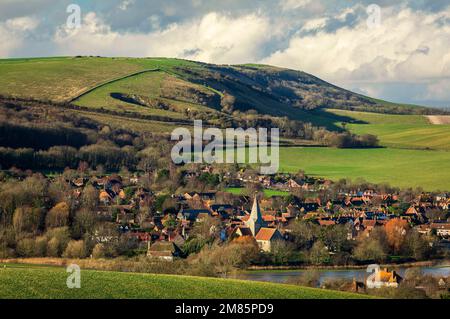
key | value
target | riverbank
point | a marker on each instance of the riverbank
(427, 263)
(325, 276)
(111, 264)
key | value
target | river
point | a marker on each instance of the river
(282, 276)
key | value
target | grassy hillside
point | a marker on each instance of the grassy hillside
(379, 118)
(147, 93)
(58, 79)
(50, 282)
(399, 131)
(63, 78)
(398, 167)
(267, 89)
(154, 95)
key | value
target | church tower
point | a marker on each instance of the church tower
(255, 222)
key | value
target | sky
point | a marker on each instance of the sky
(394, 50)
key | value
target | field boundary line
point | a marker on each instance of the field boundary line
(111, 81)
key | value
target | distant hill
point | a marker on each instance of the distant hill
(294, 88)
(176, 88)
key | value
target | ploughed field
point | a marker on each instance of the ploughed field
(439, 119)
(20, 282)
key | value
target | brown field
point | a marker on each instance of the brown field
(439, 119)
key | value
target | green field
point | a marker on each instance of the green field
(405, 161)
(27, 282)
(147, 84)
(400, 131)
(267, 192)
(397, 167)
(404, 168)
(63, 78)
(150, 85)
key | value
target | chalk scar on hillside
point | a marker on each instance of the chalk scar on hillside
(439, 119)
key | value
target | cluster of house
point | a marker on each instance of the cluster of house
(266, 221)
(284, 182)
(379, 278)
(383, 278)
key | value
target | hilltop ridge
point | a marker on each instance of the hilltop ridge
(184, 84)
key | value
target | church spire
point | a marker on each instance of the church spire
(256, 211)
(255, 222)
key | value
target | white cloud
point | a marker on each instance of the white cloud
(343, 14)
(154, 21)
(408, 46)
(411, 47)
(9, 42)
(294, 4)
(314, 24)
(22, 24)
(213, 38)
(124, 5)
(13, 32)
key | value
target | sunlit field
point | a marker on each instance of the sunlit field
(27, 282)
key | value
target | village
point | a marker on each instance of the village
(291, 219)
(264, 218)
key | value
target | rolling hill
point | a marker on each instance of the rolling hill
(29, 282)
(170, 86)
(155, 95)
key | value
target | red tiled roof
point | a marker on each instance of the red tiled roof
(268, 218)
(326, 222)
(265, 233)
(440, 226)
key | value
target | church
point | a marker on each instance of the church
(264, 236)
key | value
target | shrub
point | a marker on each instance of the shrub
(25, 247)
(309, 278)
(222, 259)
(319, 254)
(99, 251)
(370, 249)
(26, 219)
(58, 216)
(5, 251)
(40, 246)
(84, 222)
(58, 240)
(283, 252)
(75, 249)
(53, 246)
